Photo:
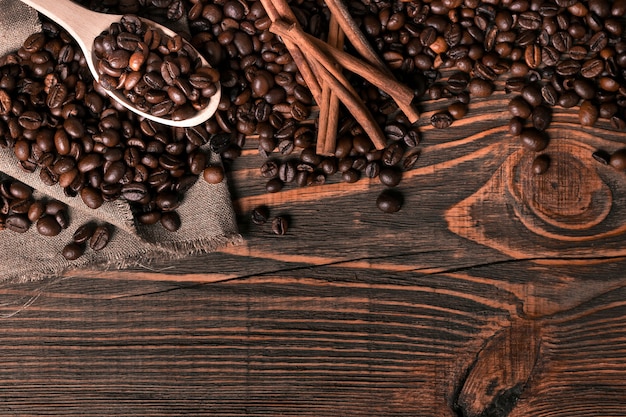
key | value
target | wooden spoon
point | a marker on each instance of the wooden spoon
(85, 25)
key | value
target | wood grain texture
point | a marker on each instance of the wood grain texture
(491, 293)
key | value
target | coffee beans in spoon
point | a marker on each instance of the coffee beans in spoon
(159, 74)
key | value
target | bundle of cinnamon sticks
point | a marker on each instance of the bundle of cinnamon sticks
(322, 63)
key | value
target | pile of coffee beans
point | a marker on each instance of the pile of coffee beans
(96, 236)
(545, 53)
(57, 121)
(159, 74)
(261, 215)
(19, 210)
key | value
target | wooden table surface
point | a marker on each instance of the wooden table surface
(493, 292)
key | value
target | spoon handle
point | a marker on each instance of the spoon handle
(82, 24)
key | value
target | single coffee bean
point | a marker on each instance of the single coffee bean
(62, 219)
(48, 226)
(479, 87)
(540, 164)
(83, 233)
(618, 159)
(519, 107)
(516, 125)
(280, 225)
(389, 201)
(259, 215)
(392, 154)
(73, 251)
(274, 185)
(541, 117)
(568, 99)
(441, 120)
(532, 94)
(100, 238)
(170, 220)
(587, 113)
(91, 197)
(390, 176)
(36, 210)
(549, 94)
(213, 174)
(457, 110)
(533, 139)
(17, 222)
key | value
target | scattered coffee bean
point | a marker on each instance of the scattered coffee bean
(100, 238)
(618, 159)
(213, 174)
(540, 164)
(170, 220)
(279, 225)
(389, 201)
(73, 251)
(441, 120)
(533, 139)
(390, 176)
(259, 215)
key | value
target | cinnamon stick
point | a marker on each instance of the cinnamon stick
(275, 13)
(322, 120)
(355, 106)
(327, 131)
(329, 57)
(336, 81)
(354, 34)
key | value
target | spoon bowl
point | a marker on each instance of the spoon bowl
(85, 25)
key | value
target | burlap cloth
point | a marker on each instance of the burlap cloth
(208, 220)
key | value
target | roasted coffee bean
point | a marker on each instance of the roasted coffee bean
(134, 191)
(587, 113)
(389, 201)
(350, 175)
(540, 164)
(390, 176)
(17, 223)
(584, 88)
(479, 87)
(259, 215)
(618, 159)
(549, 94)
(568, 99)
(592, 68)
(274, 185)
(92, 197)
(441, 120)
(457, 110)
(516, 125)
(541, 117)
(100, 238)
(48, 226)
(532, 95)
(533, 139)
(213, 174)
(84, 233)
(392, 154)
(280, 225)
(170, 221)
(519, 107)
(73, 251)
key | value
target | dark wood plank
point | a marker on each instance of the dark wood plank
(491, 293)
